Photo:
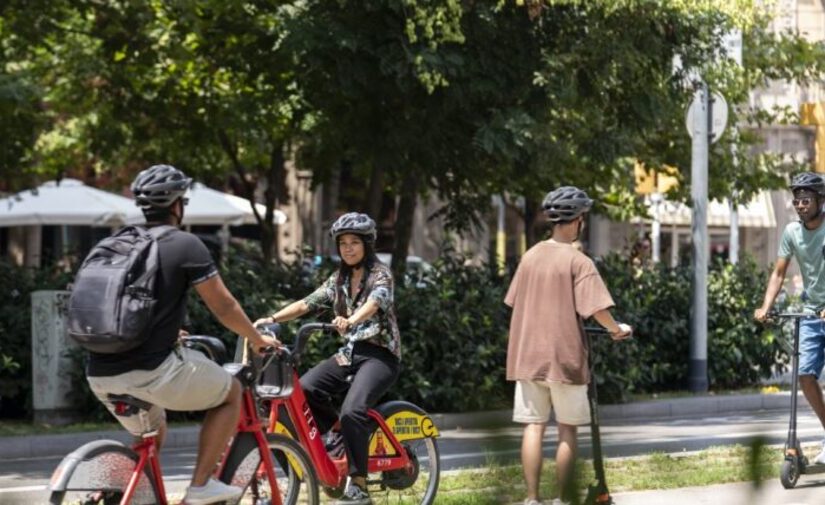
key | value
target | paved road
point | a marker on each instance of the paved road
(23, 481)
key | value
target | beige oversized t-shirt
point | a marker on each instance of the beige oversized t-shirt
(553, 287)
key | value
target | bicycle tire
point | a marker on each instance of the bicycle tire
(418, 483)
(97, 474)
(297, 479)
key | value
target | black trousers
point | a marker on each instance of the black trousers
(374, 369)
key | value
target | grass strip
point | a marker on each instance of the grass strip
(497, 484)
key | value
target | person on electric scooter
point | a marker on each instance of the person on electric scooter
(361, 296)
(554, 289)
(804, 240)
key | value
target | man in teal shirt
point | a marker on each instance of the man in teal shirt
(805, 240)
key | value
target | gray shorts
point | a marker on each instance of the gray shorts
(186, 380)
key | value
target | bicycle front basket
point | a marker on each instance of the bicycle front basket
(276, 380)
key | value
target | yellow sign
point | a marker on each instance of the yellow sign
(650, 181)
(813, 114)
(405, 425)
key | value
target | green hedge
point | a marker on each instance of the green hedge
(656, 301)
(454, 328)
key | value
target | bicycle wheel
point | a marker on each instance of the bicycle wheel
(98, 473)
(415, 431)
(417, 484)
(297, 482)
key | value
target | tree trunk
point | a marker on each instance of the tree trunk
(404, 224)
(532, 228)
(276, 186)
(375, 193)
(275, 194)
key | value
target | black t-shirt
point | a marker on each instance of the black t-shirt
(184, 261)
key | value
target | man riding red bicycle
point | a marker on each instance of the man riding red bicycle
(159, 371)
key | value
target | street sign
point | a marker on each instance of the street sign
(718, 112)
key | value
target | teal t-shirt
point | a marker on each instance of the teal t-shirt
(807, 246)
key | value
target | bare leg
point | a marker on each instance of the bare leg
(161, 435)
(566, 458)
(219, 425)
(531, 457)
(813, 393)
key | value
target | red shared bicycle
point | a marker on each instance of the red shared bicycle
(403, 465)
(270, 468)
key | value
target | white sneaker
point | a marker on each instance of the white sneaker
(820, 458)
(531, 501)
(213, 491)
(558, 501)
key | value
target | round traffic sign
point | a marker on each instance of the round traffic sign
(719, 116)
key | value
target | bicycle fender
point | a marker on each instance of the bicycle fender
(407, 420)
(62, 475)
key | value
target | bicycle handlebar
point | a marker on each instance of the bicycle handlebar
(301, 337)
(788, 315)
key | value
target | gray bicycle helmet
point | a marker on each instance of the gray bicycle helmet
(809, 180)
(566, 204)
(354, 222)
(159, 186)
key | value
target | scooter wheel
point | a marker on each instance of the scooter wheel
(789, 473)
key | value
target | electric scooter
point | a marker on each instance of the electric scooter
(597, 492)
(795, 463)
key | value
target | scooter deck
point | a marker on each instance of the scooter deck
(812, 469)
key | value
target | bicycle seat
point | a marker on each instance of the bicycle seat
(127, 405)
(212, 347)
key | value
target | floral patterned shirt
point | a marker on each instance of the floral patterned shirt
(380, 329)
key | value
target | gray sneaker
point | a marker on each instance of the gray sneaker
(354, 495)
(820, 458)
(214, 491)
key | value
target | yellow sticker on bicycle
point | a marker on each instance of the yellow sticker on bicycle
(405, 425)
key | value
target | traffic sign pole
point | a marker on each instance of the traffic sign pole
(701, 128)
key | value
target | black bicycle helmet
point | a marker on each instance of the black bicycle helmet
(159, 186)
(566, 204)
(354, 222)
(809, 180)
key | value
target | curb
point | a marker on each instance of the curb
(34, 446)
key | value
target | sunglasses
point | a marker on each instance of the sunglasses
(802, 201)
(185, 201)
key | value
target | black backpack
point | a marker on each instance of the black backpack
(114, 296)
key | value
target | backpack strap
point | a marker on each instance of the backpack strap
(152, 263)
(161, 231)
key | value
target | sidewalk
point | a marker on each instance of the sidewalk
(809, 491)
(32, 446)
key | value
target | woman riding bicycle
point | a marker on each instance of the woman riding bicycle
(361, 296)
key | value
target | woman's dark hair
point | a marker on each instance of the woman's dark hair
(345, 271)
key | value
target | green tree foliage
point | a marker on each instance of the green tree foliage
(463, 99)
(201, 84)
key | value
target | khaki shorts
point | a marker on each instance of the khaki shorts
(186, 380)
(534, 400)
